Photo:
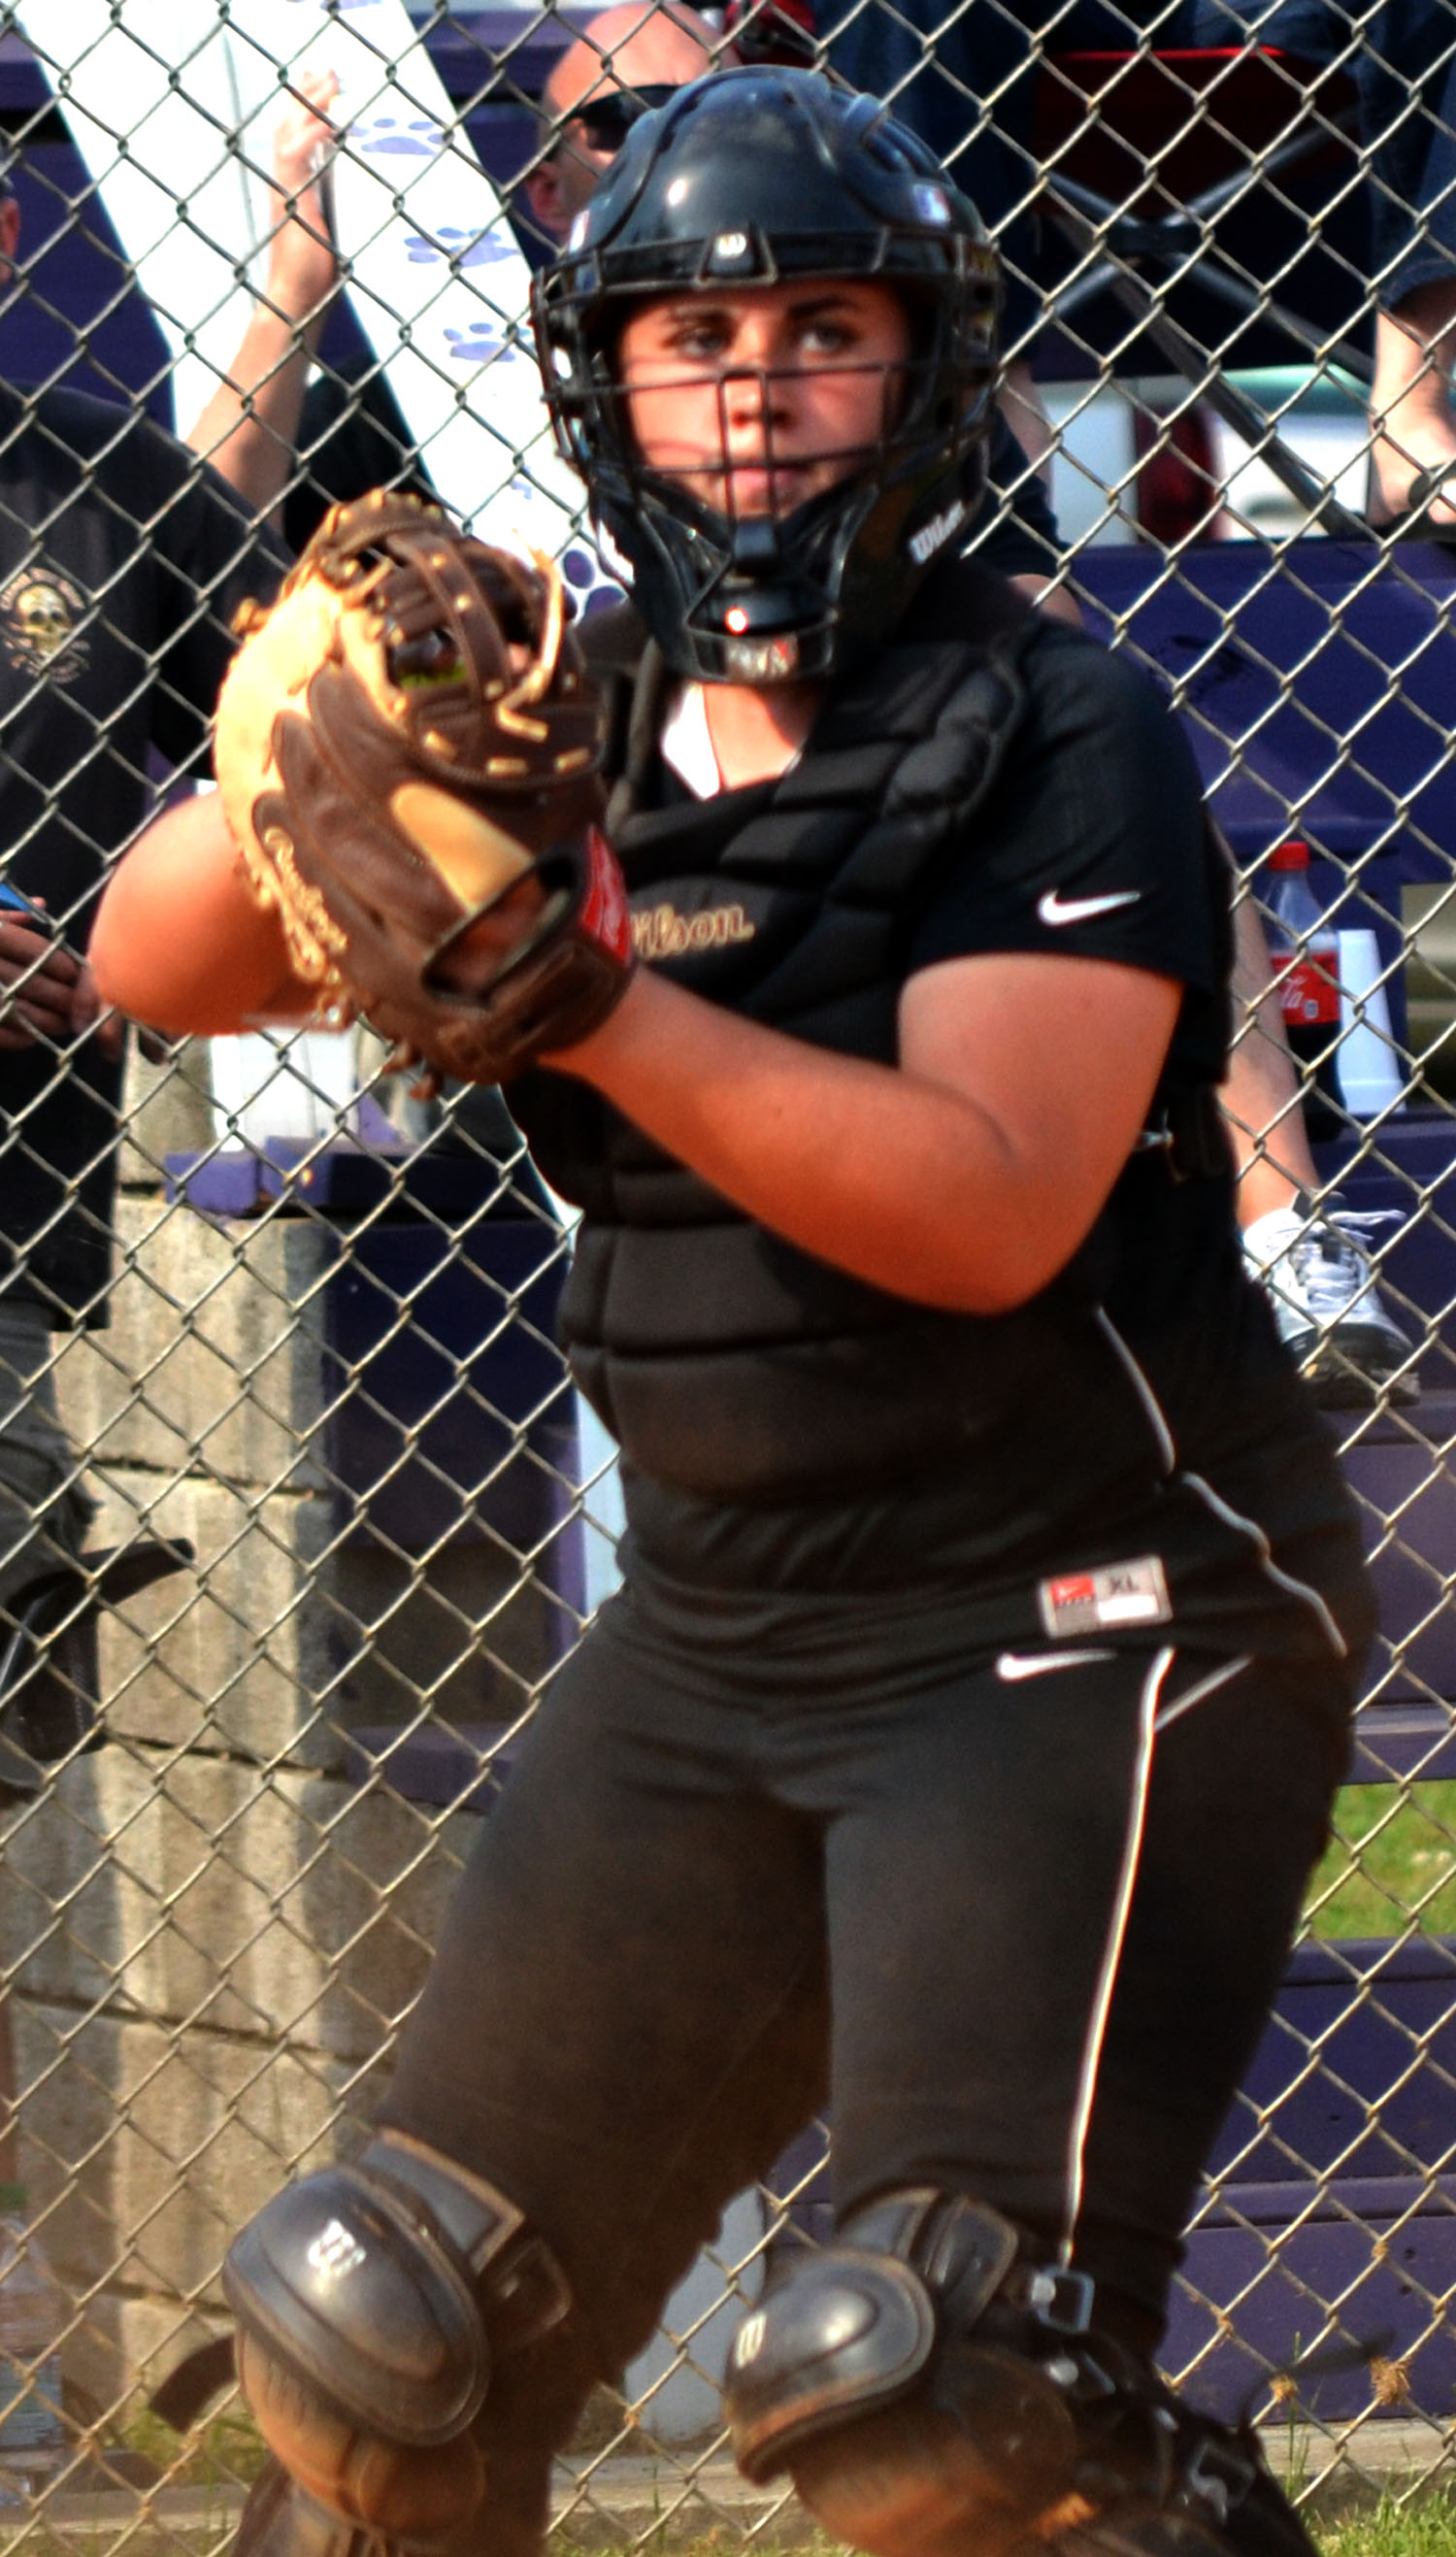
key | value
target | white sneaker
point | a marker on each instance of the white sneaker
(1314, 1265)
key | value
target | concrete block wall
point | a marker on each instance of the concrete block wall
(209, 1967)
(211, 1936)
(210, 1933)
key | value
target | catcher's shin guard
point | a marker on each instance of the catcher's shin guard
(898, 2376)
(372, 2300)
(935, 2394)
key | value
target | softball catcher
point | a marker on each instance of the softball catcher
(962, 1735)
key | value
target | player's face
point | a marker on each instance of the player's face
(758, 397)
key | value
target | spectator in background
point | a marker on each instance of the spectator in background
(626, 61)
(121, 564)
(1401, 56)
(291, 445)
(250, 429)
(966, 80)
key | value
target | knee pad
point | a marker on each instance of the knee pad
(907, 2377)
(931, 2390)
(370, 2300)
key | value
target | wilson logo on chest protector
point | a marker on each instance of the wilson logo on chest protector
(934, 535)
(662, 933)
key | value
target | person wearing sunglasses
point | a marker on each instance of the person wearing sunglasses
(626, 62)
(633, 59)
(593, 134)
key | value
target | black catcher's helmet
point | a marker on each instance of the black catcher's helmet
(756, 177)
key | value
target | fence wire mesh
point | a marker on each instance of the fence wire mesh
(280, 1335)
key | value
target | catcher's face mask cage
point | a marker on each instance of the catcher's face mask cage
(761, 177)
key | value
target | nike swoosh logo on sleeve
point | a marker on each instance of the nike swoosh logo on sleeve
(1054, 908)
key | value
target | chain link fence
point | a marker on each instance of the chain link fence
(317, 1418)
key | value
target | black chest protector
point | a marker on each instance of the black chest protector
(727, 1362)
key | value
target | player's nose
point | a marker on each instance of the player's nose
(753, 398)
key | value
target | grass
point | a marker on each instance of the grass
(1422, 2523)
(1392, 1860)
(1423, 2528)
(226, 2450)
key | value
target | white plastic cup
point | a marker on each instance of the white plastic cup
(1366, 1061)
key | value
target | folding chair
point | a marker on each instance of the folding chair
(1141, 154)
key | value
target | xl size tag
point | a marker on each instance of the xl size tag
(1093, 1603)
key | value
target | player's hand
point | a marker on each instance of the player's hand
(37, 979)
(469, 964)
(302, 263)
(305, 133)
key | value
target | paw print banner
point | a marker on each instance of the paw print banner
(172, 118)
(436, 276)
(437, 281)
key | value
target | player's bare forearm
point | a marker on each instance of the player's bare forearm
(248, 430)
(179, 942)
(934, 1179)
(852, 1162)
(249, 427)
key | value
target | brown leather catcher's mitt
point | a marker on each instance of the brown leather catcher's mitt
(407, 747)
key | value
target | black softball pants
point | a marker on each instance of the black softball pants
(1019, 1923)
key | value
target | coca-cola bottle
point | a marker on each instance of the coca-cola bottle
(1304, 947)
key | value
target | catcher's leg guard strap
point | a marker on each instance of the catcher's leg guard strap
(370, 2299)
(896, 2374)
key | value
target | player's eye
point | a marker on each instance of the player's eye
(700, 340)
(828, 337)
